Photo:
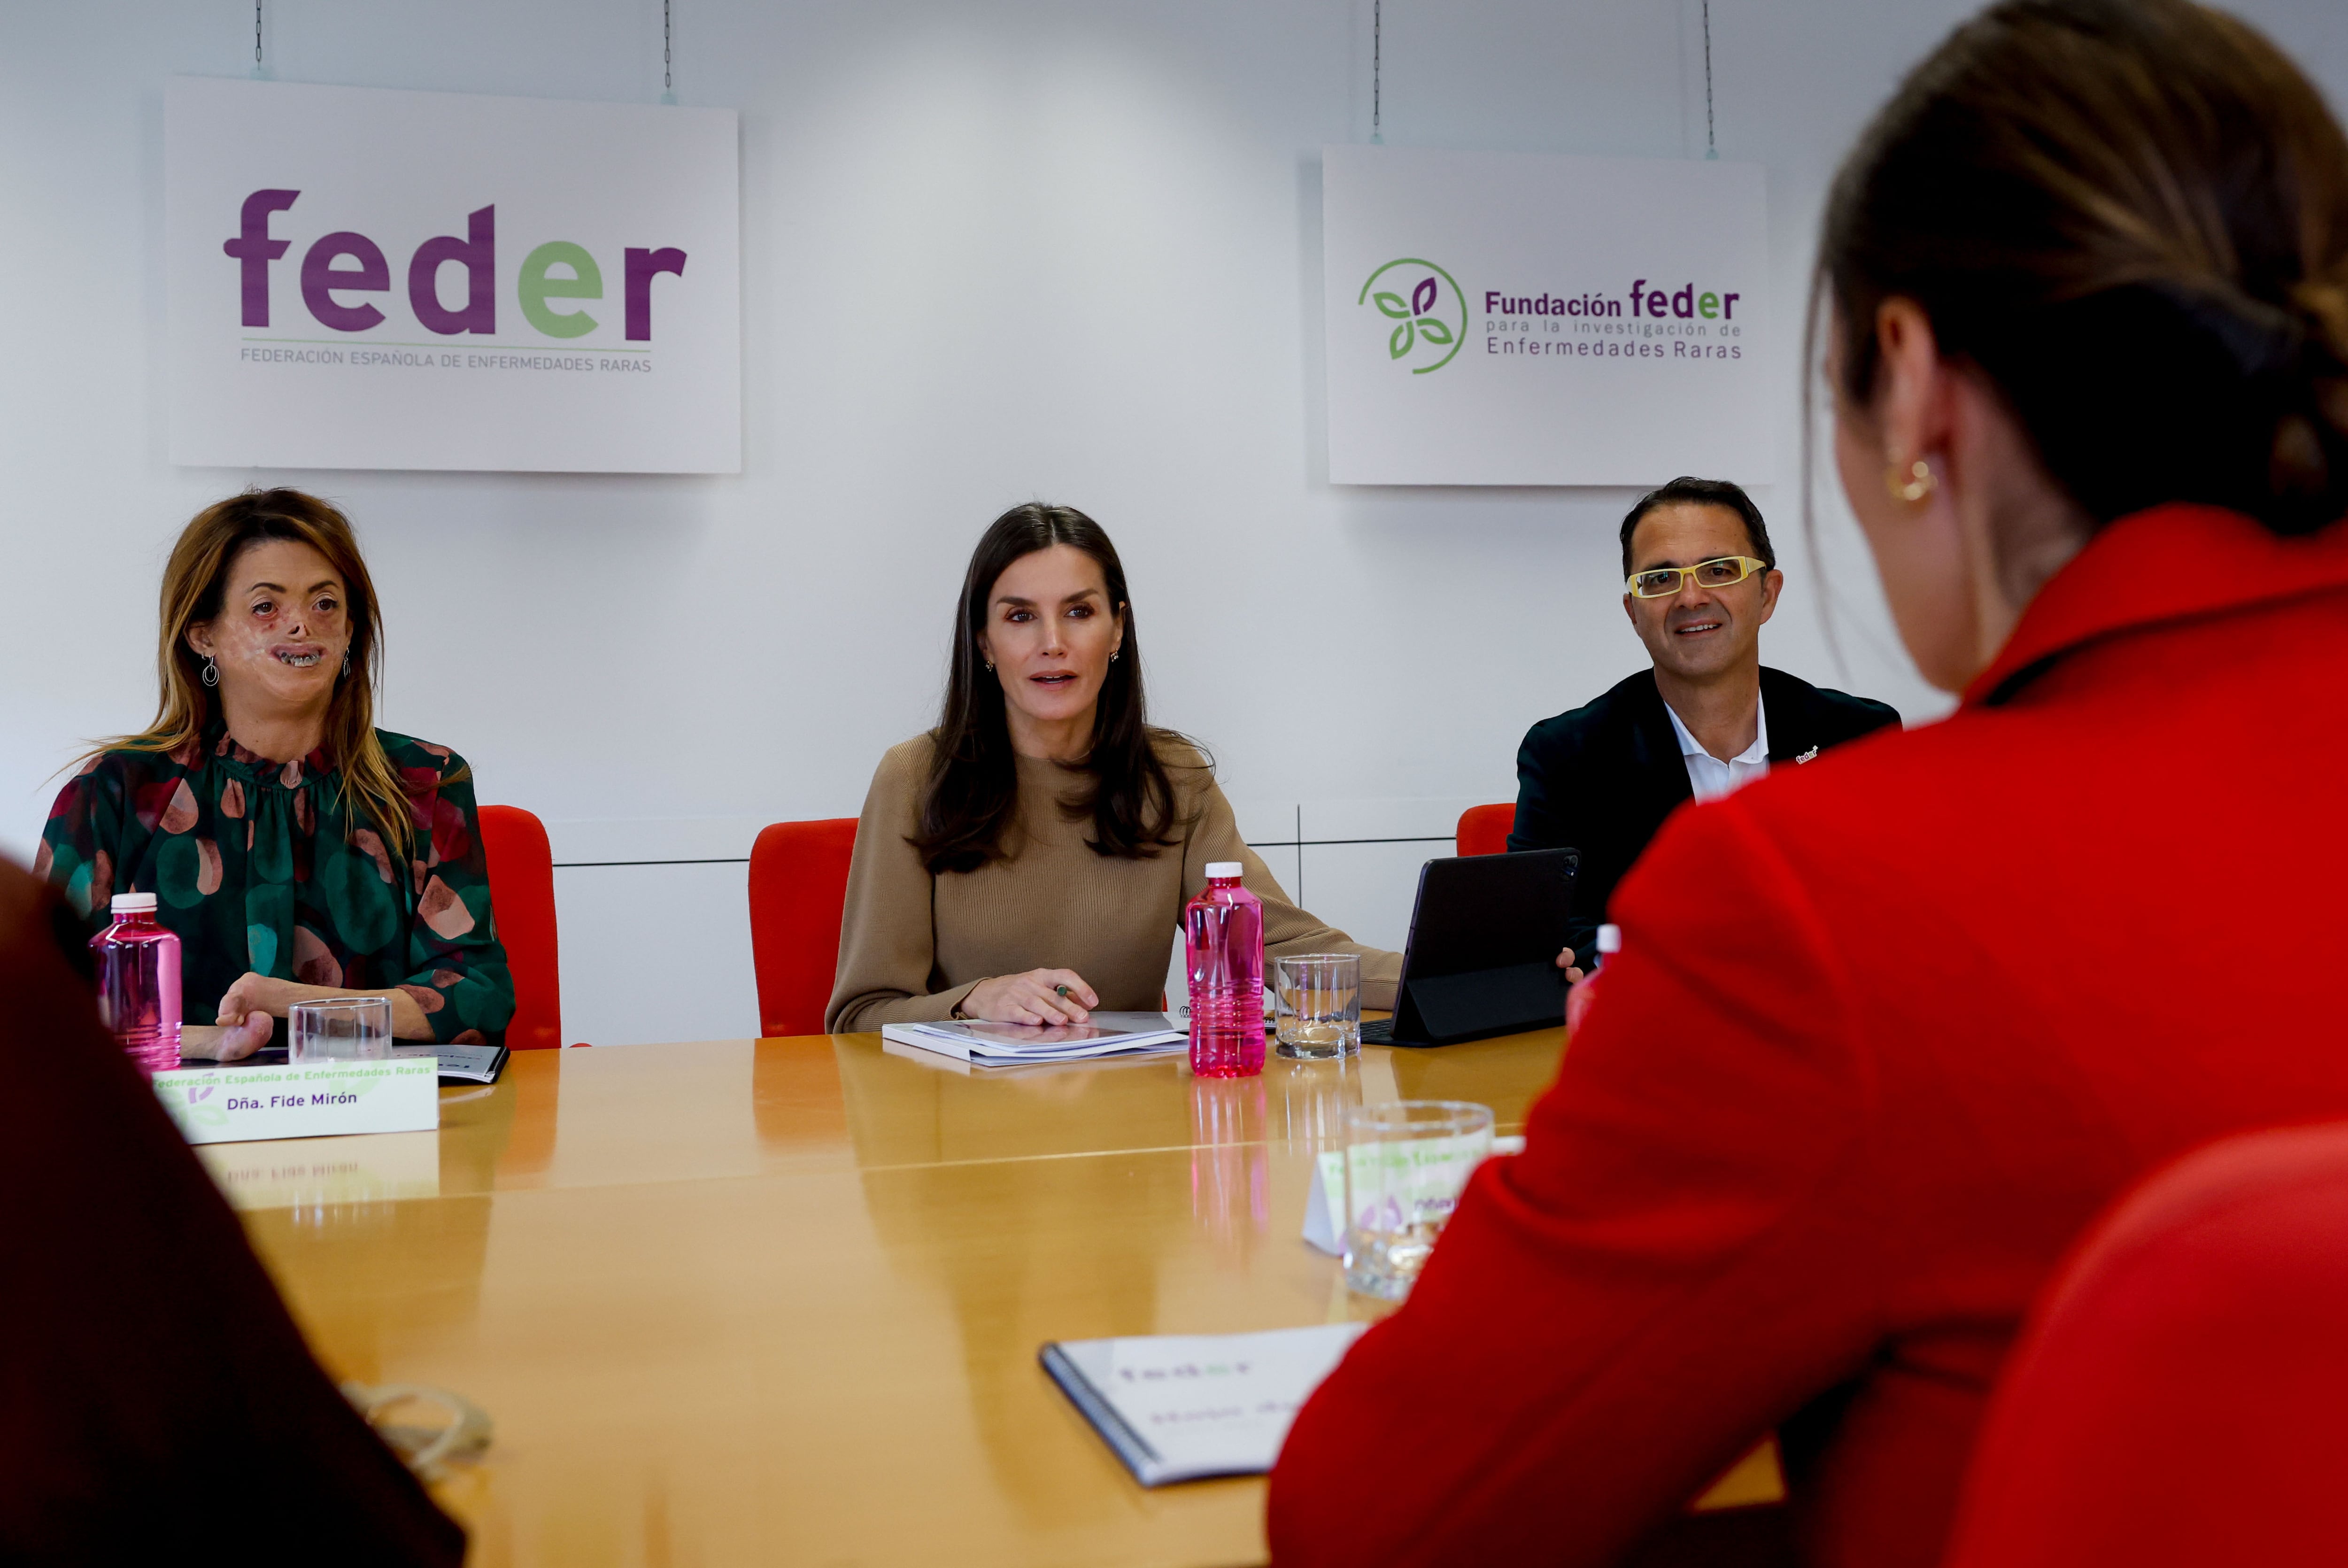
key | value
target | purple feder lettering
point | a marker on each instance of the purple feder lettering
(643, 265)
(254, 250)
(320, 278)
(477, 253)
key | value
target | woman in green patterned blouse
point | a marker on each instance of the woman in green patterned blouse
(299, 852)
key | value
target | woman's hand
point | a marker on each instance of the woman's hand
(1565, 962)
(248, 1014)
(255, 999)
(1030, 998)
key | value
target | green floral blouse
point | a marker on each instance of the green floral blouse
(260, 866)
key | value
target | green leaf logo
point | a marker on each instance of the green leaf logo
(1429, 323)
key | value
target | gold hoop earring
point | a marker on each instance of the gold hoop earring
(1916, 487)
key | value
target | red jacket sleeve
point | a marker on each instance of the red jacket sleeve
(1673, 1265)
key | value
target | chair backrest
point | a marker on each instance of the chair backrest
(2176, 1396)
(1484, 829)
(798, 886)
(521, 900)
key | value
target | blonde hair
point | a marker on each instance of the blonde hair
(194, 582)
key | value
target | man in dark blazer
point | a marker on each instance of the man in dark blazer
(1701, 579)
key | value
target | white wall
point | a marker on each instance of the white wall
(994, 249)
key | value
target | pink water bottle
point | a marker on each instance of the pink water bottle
(1223, 945)
(1578, 998)
(138, 983)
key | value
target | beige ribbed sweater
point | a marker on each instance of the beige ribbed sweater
(911, 944)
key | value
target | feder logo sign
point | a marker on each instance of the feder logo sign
(1434, 314)
(373, 278)
(1661, 323)
(325, 278)
(1597, 320)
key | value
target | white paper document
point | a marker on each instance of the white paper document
(474, 1064)
(1183, 1407)
(1001, 1045)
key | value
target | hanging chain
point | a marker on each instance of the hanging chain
(256, 36)
(1711, 147)
(668, 82)
(1377, 65)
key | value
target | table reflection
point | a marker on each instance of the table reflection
(1309, 1099)
(1230, 1168)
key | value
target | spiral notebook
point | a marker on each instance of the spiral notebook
(1184, 1407)
(984, 1044)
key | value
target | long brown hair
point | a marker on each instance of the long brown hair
(2132, 215)
(194, 582)
(973, 791)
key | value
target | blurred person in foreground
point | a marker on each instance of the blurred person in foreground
(1885, 1036)
(156, 1403)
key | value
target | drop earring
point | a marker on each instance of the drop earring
(346, 661)
(212, 671)
(1919, 483)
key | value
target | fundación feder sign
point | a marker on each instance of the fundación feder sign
(1513, 319)
(369, 279)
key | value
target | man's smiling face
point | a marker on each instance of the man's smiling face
(1699, 632)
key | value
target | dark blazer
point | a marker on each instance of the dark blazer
(1601, 778)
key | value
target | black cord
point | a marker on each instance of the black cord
(1711, 147)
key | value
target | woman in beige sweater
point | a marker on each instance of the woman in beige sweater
(1028, 860)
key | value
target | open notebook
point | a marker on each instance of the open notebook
(1183, 1407)
(1003, 1045)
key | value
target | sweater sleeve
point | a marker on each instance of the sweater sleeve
(455, 967)
(82, 838)
(888, 931)
(1286, 928)
(1685, 1253)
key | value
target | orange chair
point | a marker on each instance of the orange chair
(1484, 829)
(798, 886)
(2174, 1399)
(521, 900)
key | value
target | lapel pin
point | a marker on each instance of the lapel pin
(1806, 756)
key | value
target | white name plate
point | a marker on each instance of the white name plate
(1325, 1208)
(215, 1104)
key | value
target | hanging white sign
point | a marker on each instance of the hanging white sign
(1512, 319)
(367, 279)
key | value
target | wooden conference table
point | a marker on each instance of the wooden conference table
(779, 1301)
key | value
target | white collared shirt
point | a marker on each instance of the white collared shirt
(1711, 777)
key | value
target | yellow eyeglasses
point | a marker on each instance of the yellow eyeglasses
(1664, 581)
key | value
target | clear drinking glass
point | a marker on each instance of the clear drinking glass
(1317, 1001)
(339, 1029)
(1406, 1162)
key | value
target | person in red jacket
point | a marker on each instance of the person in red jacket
(1887, 1032)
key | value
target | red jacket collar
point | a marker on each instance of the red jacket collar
(2172, 563)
